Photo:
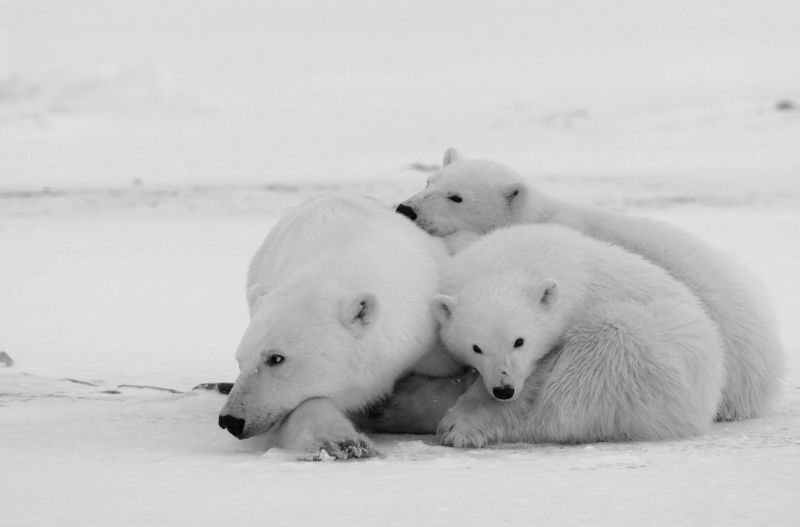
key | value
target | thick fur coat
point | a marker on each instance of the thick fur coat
(474, 197)
(339, 298)
(575, 341)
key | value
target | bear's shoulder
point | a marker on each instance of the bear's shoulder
(331, 227)
(525, 246)
(591, 269)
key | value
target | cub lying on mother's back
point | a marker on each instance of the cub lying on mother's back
(576, 341)
(475, 197)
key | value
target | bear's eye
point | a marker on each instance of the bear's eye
(275, 359)
(455, 198)
(476, 349)
(518, 343)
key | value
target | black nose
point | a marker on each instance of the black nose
(232, 424)
(503, 392)
(406, 211)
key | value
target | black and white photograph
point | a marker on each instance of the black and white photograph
(463, 263)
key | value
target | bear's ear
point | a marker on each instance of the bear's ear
(514, 194)
(451, 155)
(254, 294)
(359, 312)
(442, 307)
(543, 294)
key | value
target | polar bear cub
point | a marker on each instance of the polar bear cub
(575, 340)
(339, 297)
(473, 197)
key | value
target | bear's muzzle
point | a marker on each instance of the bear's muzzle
(232, 424)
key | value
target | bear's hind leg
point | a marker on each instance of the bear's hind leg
(633, 371)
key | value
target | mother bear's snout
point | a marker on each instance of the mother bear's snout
(232, 424)
(406, 211)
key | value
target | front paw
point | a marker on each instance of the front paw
(461, 430)
(357, 447)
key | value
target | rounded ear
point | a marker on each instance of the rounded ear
(543, 294)
(254, 294)
(442, 307)
(451, 155)
(515, 194)
(357, 313)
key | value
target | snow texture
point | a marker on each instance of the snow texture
(147, 148)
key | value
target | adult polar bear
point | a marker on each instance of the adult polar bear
(477, 196)
(339, 297)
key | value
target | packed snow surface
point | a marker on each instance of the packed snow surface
(147, 296)
(146, 149)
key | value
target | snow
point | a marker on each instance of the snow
(157, 459)
(146, 149)
(154, 296)
(97, 93)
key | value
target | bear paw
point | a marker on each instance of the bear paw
(359, 447)
(460, 431)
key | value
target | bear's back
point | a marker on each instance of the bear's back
(351, 238)
(589, 268)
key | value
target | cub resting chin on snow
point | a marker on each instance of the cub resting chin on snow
(473, 197)
(575, 340)
(339, 297)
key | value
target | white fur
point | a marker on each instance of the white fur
(340, 288)
(317, 429)
(733, 298)
(598, 343)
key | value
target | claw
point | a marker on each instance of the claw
(354, 449)
(322, 455)
(342, 450)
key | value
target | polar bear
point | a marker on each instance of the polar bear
(339, 297)
(575, 340)
(476, 196)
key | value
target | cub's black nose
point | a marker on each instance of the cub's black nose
(504, 392)
(406, 211)
(232, 424)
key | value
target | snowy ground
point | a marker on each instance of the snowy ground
(151, 294)
(146, 148)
